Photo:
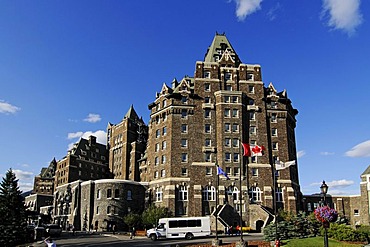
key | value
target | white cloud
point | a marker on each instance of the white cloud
(92, 118)
(327, 153)
(8, 108)
(360, 150)
(24, 187)
(101, 136)
(343, 14)
(335, 183)
(246, 7)
(75, 135)
(300, 154)
(23, 174)
(271, 14)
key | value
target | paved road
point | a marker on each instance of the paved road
(95, 240)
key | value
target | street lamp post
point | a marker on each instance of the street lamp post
(324, 189)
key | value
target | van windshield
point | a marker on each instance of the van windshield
(161, 226)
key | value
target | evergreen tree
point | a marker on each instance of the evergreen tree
(13, 221)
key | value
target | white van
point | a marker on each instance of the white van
(184, 227)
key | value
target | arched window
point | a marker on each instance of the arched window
(234, 191)
(129, 195)
(279, 194)
(209, 193)
(183, 193)
(98, 194)
(109, 193)
(159, 194)
(108, 210)
(255, 194)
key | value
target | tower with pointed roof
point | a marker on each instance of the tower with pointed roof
(201, 121)
(126, 143)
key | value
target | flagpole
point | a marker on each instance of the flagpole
(217, 198)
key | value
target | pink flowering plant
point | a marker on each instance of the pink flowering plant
(326, 214)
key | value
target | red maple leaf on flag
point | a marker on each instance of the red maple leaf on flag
(258, 150)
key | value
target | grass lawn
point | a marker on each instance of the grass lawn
(316, 242)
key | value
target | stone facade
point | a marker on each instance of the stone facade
(201, 121)
(126, 143)
(44, 182)
(86, 160)
(101, 203)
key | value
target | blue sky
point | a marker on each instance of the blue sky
(67, 68)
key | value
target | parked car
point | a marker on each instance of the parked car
(53, 230)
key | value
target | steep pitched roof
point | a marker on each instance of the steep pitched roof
(367, 171)
(131, 113)
(219, 46)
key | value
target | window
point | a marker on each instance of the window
(356, 212)
(184, 143)
(109, 193)
(157, 147)
(163, 173)
(207, 157)
(254, 172)
(227, 157)
(228, 88)
(227, 112)
(273, 105)
(252, 130)
(252, 115)
(254, 159)
(156, 161)
(251, 89)
(184, 128)
(235, 142)
(207, 142)
(236, 157)
(164, 145)
(184, 171)
(207, 113)
(227, 99)
(156, 174)
(234, 191)
(98, 194)
(164, 130)
(255, 194)
(274, 132)
(235, 99)
(206, 74)
(207, 87)
(157, 133)
(208, 170)
(184, 100)
(209, 193)
(184, 157)
(227, 142)
(207, 100)
(279, 194)
(251, 102)
(228, 171)
(250, 76)
(227, 127)
(97, 210)
(183, 193)
(227, 76)
(309, 207)
(184, 113)
(109, 210)
(116, 193)
(159, 194)
(235, 127)
(273, 118)
(275, 146)
(207, 128)
(163, 159)
(164, 103)
(235, 112)
(236, 171)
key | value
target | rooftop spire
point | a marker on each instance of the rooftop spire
(219, 45)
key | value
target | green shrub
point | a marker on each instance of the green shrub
(345, 233)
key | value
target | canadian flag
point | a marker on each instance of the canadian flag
(247, 149)
(258, 150)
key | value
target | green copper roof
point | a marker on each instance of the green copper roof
(131, 113)
(219, 44)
